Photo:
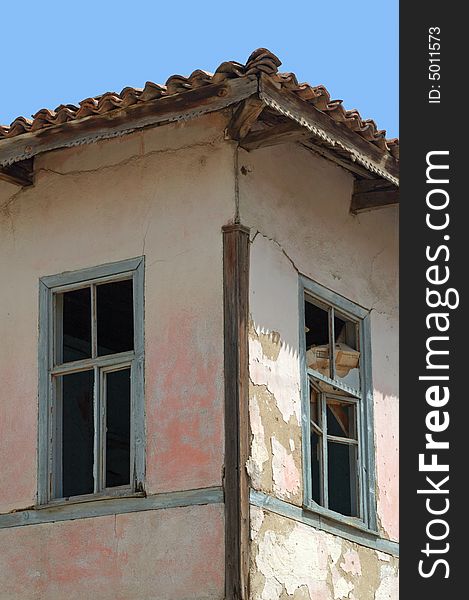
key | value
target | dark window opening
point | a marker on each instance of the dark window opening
(115, 319)
(341, 419)
(75, 342)
(93, 417)
(76, 391)
(329, 333)
(316, 325)
(333, 411)
(118, 428)
(342, 462)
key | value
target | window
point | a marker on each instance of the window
(337, 407)
(91, 383)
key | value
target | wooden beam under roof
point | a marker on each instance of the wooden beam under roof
(244, 118)
(274, 135)
(20, 173)
(175, 107)
(322, 127)
(370, 194)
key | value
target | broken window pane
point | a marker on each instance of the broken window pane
(342, 478)
(115, 320)
(317, 337)
(76, 392)
(341, 419)
(347, 354)
(118, 428)
(73, 325)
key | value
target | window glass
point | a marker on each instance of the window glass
(332, 348)
(115, 320)
(341, 419)
(118, 428)
(73, 325)
(342, 478)
(76, 392)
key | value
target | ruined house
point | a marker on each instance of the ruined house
(198, 358)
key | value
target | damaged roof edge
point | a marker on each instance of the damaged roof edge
(112, 115)
(178, 107)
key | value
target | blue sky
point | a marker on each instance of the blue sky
(56, 53)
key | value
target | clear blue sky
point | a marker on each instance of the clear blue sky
(56, 53)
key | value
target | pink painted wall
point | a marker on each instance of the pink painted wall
(164, 554)
(164, 193)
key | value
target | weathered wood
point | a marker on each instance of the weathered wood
(323, 127)
(371, 185)
(99, 507)
(244, 118)
(176, 107)
(236, 484)
(349, 165)
(370, 194)
(277, 134)
(20, 173)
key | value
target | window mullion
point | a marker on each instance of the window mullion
(97, 453)
(94, 340)
(361, 466)
(57, 438)
(324, 470)
(331, 343)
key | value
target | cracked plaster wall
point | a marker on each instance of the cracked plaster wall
(290, 560)
(164, 192)
(297, 206)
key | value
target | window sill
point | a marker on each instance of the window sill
(350, 529)
(102, 496)
(107, 506)
(338, 519)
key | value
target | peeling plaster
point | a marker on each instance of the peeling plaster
(259, 453)
(274, 465)
(285, 473)
(351, 563)
(293, 560)
(387, 463)
(272, 364)
(389, 585)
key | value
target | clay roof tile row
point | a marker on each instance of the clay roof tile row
(260, 61)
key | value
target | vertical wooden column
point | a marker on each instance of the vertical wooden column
(236, 484)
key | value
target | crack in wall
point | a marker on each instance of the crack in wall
(274, 241)
(131, 159)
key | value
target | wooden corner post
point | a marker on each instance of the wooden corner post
(236, 484)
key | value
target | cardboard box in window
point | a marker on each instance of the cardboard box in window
(346, 359)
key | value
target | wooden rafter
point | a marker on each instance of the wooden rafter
(325, 128)
(20, 173)
(370, 194)
(244, 118)
(271, 136)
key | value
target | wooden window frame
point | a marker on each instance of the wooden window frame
(367, 518)
(49, 287)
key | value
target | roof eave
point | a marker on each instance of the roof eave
(176, 107)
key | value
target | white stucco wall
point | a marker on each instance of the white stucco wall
(297, 206)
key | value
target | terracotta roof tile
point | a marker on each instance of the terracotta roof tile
(260, 61)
